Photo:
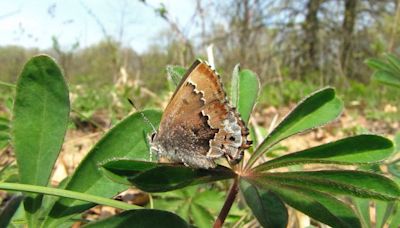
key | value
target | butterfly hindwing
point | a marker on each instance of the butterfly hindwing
(198, 125)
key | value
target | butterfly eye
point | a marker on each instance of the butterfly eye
(153, 136)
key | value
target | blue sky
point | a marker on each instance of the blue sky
(33, 23)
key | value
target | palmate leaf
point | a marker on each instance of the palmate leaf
(317, 109)
(141, 218)
(358, 149)
(153, 177)
(127, 139)
(387, 70)
(40, 118)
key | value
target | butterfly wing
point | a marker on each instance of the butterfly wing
(198, 124)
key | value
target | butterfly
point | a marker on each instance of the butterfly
(199, 125)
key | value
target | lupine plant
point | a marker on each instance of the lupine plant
(120, 159)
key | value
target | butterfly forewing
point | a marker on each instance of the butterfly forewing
(198, 124)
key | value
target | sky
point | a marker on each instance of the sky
(33, 23)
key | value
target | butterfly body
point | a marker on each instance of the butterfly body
(198, 125)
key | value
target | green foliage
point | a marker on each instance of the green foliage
(197, 204)
(387, 70)
(311, 192)
(4, 132)
(245, 87)
(285, 92)
(88, 178)
(141, 218)
(122, 157)
(264, 202)
(317, 109)
(41, 111)
(162, 177)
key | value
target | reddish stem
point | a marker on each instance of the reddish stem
(228, 204)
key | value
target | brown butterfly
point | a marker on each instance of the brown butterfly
(199, 125)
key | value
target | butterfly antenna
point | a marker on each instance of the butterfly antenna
(143, 115)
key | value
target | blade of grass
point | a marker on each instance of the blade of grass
(67, 194)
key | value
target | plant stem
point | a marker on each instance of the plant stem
(7, 84)
(68, 194)
(228, 204)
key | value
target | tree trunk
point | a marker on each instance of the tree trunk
(349, 21)
(310, 42)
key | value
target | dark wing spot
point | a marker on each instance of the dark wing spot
(232, 138)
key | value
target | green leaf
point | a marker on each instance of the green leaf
(201, 216)
(346, 182)
(349, 151)
(319, 206)
(266, 206)
(379, 65)
(175, 74)
(9, 210)
(9, 173)
(153, 177)
(387, 78)
(383, 210)
(126, 140)
(362, 206)
(141, 219)
(394, 61)
(4, 124)
(395, 222)
(317, 109)
(211, 199)
(41, 112)
(245, 87)
(183, 210)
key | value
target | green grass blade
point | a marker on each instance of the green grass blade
(41, 112)
(358, 149)
(141, 218)
(126, 140)
(317, 109)
(266, 206)
(67, 194)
